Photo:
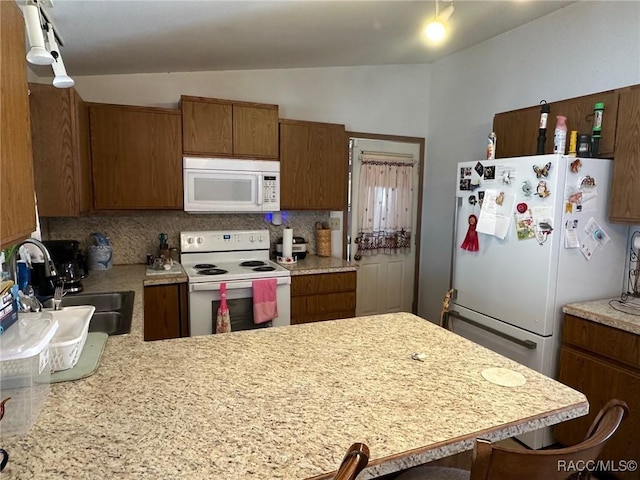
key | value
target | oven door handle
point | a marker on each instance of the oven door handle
(207, 286)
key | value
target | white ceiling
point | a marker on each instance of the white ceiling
(144, 36)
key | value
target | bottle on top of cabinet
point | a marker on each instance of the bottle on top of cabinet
(560, 135)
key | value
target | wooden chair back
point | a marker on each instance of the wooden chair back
(353, 462)
(498, 463)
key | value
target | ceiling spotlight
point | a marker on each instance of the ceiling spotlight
(436, 29)
(61, 80)
(37, 55)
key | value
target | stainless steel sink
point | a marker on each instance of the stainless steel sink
(114, 310)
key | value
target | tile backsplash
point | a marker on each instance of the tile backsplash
(135, 234)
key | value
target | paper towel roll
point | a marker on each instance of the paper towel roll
(636, 242)
(287, 242)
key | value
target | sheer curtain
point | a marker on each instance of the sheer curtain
(385, 192)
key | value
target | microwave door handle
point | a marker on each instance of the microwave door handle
(260, 188)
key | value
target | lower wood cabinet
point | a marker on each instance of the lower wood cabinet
(325, 296)
(603, 363)
(166, 311)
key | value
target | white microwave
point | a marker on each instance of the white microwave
(223, 185)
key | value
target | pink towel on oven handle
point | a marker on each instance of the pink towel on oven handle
(265, 301)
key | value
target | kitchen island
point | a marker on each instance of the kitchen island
(279, 403)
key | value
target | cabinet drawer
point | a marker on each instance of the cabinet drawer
(327, 303)
(323, 283)
(604, 340)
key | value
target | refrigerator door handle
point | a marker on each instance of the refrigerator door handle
(525, 343)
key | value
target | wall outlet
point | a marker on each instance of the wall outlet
(334, 223)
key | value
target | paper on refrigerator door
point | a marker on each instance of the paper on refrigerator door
(595, 237)
(496, 213)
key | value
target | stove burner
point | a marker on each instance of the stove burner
(266, 268)
(253, 263)
(212, 271)
(203, 266)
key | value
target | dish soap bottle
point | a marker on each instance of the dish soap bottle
(560, 135)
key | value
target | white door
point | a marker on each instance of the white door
(385, 282)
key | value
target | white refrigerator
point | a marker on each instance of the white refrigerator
(531, 235)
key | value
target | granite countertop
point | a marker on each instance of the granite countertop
(609, 311)
(280, 403)
(314, 264)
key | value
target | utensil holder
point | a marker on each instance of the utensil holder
(100, 257)
(323, 242)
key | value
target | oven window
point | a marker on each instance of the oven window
(240, 313)
(222, 190)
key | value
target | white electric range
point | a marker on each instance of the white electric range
(236, 258)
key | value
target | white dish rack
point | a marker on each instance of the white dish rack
(68, 342)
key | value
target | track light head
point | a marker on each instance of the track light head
(61, 80)
(436, 29)
(37, 55)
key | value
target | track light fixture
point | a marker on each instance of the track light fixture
(61, 80)
(44, 52)
(436, 29)
(37, 55)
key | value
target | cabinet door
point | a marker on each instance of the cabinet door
(17, 215)
(601, 381)
(625, 184)
(206, 126)
(517, 132)
(136, 157)
(579, 113)
(313, 171)
(255, 130)
(165, 312)
(59, 131)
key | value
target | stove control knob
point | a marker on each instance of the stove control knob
(260, 239)
(189, 240)
(251, 239)
(200, 240)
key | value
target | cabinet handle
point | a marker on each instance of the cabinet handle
(524, 343)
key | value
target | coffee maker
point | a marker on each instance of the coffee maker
(70, 263)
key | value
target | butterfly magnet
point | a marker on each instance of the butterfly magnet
(542, 171)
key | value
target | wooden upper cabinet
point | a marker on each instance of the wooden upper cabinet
(229, 128)
(517, 130)
(255, 130)
(624, 205)
(136, 156)
(17, 203)
(314, 166)
(579, 113)
(61, 155)
(206, 126)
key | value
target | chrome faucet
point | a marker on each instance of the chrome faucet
(28, 301)
(49, 267)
